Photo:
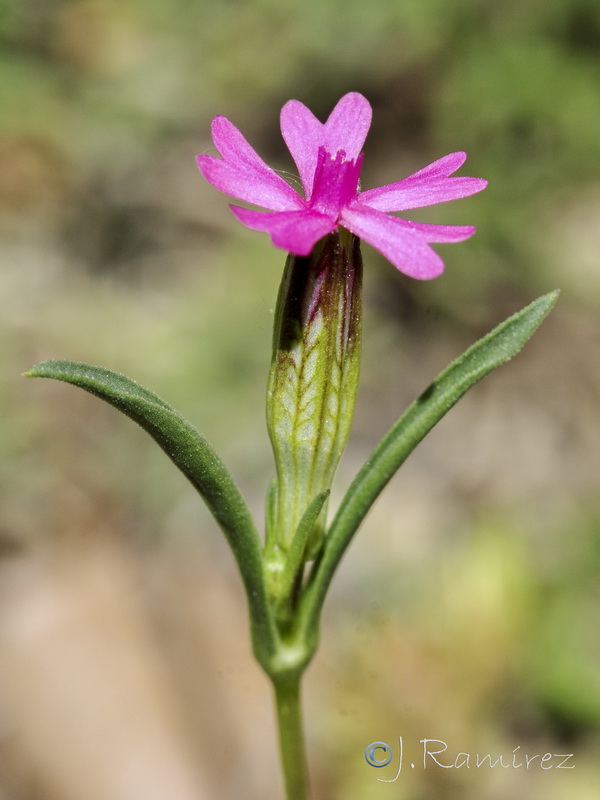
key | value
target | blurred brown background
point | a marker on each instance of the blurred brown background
(468, 609)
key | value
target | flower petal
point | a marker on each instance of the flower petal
(443, 167)
(243, 174)
(346, 129)
(426, 187)
(295, 231)
(303, 135)
(404, 246)
(439, 233)
(348, 125)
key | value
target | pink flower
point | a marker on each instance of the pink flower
(328, 157)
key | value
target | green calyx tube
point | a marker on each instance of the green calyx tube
(311, 392)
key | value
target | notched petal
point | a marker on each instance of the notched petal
(406, 248)
(243, 174)
(294, 231)
(346, 129)
(419, 192)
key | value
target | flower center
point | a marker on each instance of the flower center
(335, 183)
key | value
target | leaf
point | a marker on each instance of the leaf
(191, 453)
(296, 554)
(499, 346)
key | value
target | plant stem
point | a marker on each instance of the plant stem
(291, 736)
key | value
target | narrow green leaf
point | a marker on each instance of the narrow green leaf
(499, 346)
(192, 454)
(296, 554)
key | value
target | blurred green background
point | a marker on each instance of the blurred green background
(468, 609)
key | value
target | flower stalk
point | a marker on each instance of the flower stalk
(291, 737)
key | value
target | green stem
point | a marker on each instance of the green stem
(291, 736)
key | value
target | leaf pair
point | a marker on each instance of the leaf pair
(190, 452)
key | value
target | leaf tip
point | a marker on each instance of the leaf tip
(546, 303)
(36, 371)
